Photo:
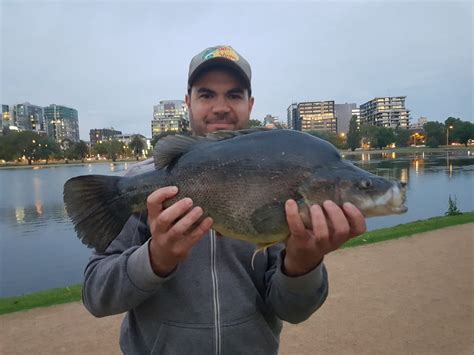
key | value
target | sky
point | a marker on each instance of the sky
(112, 61)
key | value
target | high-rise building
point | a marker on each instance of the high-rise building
(343, 116)
(419, 125)
(169, 116)
(28, 117)
(62, 123)
(317, 116)
(385, 112)
(6, 117)
(99, 135)
(292, 118)
(356, 112)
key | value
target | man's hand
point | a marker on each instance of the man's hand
(173, 230)
(332, 227)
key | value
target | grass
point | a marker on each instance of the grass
(41, 299)
(73, 293)
(408, 229)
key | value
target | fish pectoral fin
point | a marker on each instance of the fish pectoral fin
(269, 218)
(261, 247)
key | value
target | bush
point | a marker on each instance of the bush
(453, 209)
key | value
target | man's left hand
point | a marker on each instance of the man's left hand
(332, 227)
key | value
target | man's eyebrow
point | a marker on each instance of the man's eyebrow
(205, 91)
(236, 91)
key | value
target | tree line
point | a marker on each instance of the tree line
(435, 134)
(14, 146)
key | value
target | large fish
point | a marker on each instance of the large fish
(241, 179)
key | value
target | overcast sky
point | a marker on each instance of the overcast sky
(112, 61)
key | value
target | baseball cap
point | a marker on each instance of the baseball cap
(222, 56)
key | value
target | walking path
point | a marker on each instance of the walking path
(407, 296)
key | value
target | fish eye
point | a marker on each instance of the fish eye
(365, 183)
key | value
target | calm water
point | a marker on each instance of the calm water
(39, 249)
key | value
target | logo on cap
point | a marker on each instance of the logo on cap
(221, 52)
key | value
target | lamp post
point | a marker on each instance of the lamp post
(447, 134)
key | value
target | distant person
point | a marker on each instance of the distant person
(188, 291)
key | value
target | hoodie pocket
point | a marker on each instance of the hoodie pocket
(252, 335)
(176, 340)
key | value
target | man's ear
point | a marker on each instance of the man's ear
(187, 100)
(251, 101)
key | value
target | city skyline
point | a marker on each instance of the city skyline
(113, 63)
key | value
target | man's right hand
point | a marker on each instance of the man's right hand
(173, 230)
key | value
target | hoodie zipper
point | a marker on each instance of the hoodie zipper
(215, 294)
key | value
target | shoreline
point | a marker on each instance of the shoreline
(72, 293)
(343, 152)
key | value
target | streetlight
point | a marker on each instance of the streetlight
(447, 134)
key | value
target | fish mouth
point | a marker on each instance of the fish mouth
(391, 202)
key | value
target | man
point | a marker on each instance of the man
(188, 291)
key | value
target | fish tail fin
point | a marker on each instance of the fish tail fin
(93, 204)
(261, 247)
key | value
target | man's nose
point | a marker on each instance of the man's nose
(221, 106)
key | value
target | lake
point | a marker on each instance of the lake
(39, 249)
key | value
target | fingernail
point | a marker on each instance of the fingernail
(315, 207)
(348, 205)
(328, 202)
(188, 201)
(174, 189)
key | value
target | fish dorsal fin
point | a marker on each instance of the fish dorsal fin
(171, 147)
(222, 135)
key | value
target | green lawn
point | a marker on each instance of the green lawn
(408, 229)
(73, 293)
(41, 299)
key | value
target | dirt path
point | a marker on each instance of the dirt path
(407, 296)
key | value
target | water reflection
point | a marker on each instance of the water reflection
(33, 215)
(404, 175)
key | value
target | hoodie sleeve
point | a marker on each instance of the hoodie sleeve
(121, 278)
(294, 299)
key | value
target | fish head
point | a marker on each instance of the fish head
(373, 195)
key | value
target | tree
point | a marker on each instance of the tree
(383, 137)
(367, 134)
(353, 136)
(99, 149)
(77, 150)
(434, 133)
(137, 145)
(113, 149)
(463, 132)
(402, 137)
(255, 123)
(329, 136)
(8, 146)
(452, 121)
(29, 144)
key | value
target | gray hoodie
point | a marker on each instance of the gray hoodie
(213, 303)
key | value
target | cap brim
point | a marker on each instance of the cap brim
(218, 61)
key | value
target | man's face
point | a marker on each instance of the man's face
(218, 101)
